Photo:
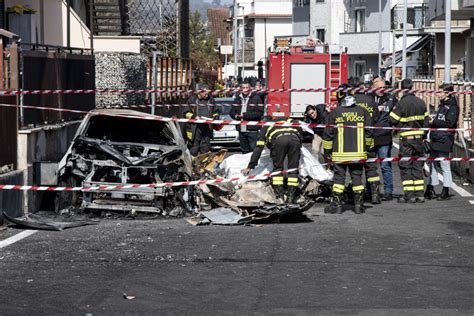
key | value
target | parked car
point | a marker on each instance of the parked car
(228, 135)
(117, 147)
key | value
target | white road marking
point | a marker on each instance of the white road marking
(472, 202)
(455, 187)
(15, 238)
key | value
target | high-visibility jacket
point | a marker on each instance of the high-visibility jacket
(410, 112)
(266, 137)
(342, 144)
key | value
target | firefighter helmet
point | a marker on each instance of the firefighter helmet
(342, 92)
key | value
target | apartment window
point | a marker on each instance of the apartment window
(360, 20)
(300, 3)
(359, 68)
(321, 35)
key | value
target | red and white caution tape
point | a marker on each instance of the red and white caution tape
(211, 181)
(146, 116)
(179, 91)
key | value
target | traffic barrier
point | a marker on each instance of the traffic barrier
(235, 122)
(213, 181)
(219, 91)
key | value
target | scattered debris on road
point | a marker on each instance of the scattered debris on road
(32, 221)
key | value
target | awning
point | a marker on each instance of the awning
(413, 48)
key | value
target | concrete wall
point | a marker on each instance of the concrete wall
(458, 50)
(269, 28)
(117, 44)
(45, 144)
(328, 15)
(51, 23)
(371, 14)
(301, 17)
(11, 202)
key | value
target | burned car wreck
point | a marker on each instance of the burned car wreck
(119, 147)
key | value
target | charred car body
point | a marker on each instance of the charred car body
(119, 147)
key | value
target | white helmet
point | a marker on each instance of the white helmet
(348, 101)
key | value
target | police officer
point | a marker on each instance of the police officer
(342, 144)
(442, 142)
(368, 102)
(283, 142)
(410, 112)
(199, 136)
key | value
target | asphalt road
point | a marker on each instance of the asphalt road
(396, 259)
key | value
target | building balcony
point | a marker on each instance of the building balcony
(366, 43)
(460, 10)
(415, 17)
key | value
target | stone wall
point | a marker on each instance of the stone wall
(120, 71)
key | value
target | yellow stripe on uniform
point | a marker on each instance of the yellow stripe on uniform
(327, 144)
(260, 143)
(416, 182)
(413, 118)
(409, 188)
(358, 188)
(411, 133)
(407, 182)
(281, 130)
(419, 188)
(395, 116)
(374, 179)
(360, 137)
(189, 135)
(340, 139)
(339, 188)
(293, 182)
(277, 180)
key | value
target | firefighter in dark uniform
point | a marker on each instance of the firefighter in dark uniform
(367, 102)
(283, 141)
(342, 144)
(410, 112)
(199, 136)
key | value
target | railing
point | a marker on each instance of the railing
(415, 17)
(55, 67)
(169, 73)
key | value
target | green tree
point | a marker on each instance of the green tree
(202, 44)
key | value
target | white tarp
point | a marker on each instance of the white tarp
(310, 166)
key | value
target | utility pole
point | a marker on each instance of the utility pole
(380, 37)
(234, 37)
(243, 47)
(404, 54)
(447, 44)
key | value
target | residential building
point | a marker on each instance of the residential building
(361, 32)
(319, 19)
(462, 36)
(117, 26)
(258, 22)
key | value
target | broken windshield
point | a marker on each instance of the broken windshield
(129, 130)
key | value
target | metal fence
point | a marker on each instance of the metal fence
(465, 101)
(48, 67)
(169, 73)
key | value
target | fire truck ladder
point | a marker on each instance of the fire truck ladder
(335, 74)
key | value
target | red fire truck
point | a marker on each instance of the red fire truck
(313, 65)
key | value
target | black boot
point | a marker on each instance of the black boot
(336, 205)
(444, 194)
(291, 195)
(375, 195)
(407, 198)
(279, 191)
(430, 192)
(359, 207)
